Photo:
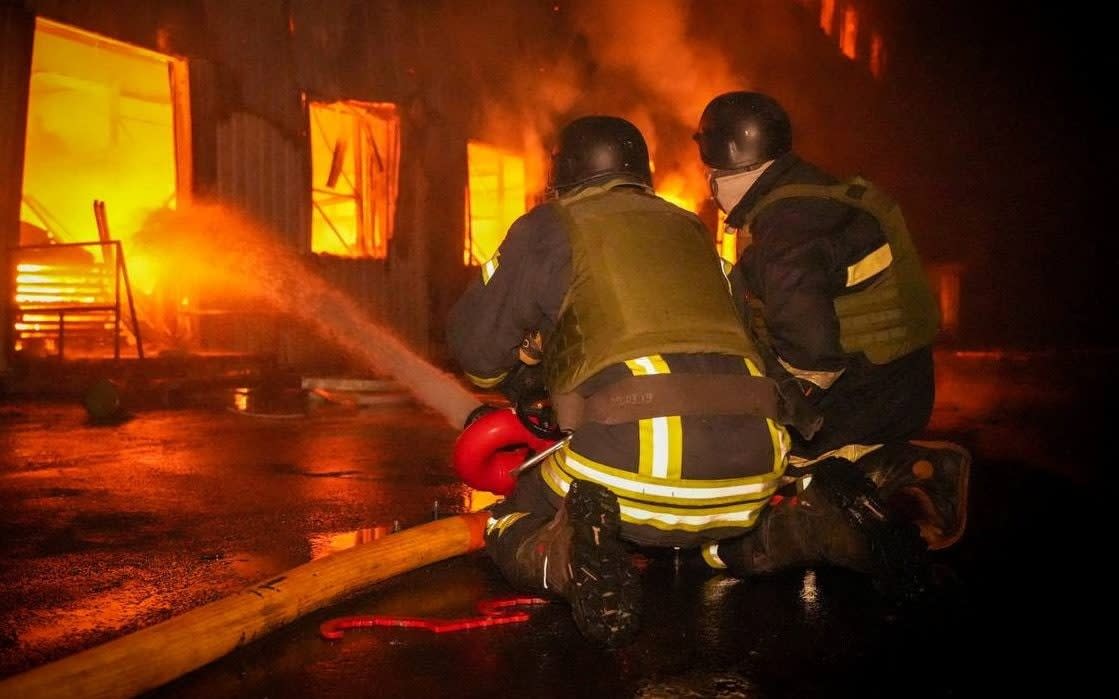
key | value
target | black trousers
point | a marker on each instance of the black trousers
(874, 404)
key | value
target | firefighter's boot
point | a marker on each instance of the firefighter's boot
(795, 532)
(580, 557)
(541, 562)
(893, 553)
(836, 520)
(926, 483)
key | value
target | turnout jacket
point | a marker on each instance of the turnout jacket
(818, 281)
(590, 272)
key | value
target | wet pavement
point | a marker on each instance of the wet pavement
(105, 530)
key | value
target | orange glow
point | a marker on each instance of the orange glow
(877, 55)
(64, 287)
(849, 32)
(496, 196)
(99, 127)
(323, 545)
(355, 162)
(480, 500)
(678, 188)
(827, 16)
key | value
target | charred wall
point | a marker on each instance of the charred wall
(16, 32)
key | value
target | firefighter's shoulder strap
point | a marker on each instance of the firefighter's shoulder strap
(856, 191)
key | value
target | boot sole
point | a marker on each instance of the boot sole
(948, 538)
(606, 591)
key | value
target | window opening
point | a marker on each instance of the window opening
(495, 198)
(355, 162)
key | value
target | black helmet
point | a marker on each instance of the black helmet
(739, 130)
(599, 147)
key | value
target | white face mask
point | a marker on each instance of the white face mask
(729, 189)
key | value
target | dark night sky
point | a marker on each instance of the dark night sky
(1013, 103)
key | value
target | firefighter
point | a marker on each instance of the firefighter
(677, 439)
(832, 286)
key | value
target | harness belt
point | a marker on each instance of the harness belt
(640, 397)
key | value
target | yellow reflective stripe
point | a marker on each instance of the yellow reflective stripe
(553, 475)
(643, 366)
(640, 487)
(675, 465)
(660, 438)
(742, 515)
(870, 265)
(779, 438)
(487, 382)
(726, 267)
(645, 442)
(503, 523)
(778, 435)
(489, 267)
(658, 467)
(662, 443)
(711, 556)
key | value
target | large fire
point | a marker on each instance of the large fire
(125, 151)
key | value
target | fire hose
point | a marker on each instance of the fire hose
(152, 657)
(487, 458)
(498, 446)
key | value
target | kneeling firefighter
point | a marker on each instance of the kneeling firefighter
(672, 435)
(832, 285)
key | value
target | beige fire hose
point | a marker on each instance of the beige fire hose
(152, 657)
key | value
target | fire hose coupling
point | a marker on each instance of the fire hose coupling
(494, 448)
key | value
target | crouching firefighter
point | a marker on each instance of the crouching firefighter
(669, 435)
(832, 285)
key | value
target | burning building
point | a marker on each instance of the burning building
(197, 176)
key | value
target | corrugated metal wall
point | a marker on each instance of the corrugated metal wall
(262, 173)
(266, 56)
(16, 36)
(265, 175)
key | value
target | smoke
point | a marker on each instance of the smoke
(643, 60)
(211, 250)
(651, 40)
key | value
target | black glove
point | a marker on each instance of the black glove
(524, 384)
(483, 409)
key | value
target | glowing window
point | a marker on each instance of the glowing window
(877, 55)
(100, 126)
(827, 15)
(849, 32)
(355, 163)
(495, 197)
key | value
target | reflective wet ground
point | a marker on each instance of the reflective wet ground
(108, 529)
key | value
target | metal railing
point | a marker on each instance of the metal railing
(50, 289)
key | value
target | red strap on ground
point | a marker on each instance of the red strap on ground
(493, 612)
